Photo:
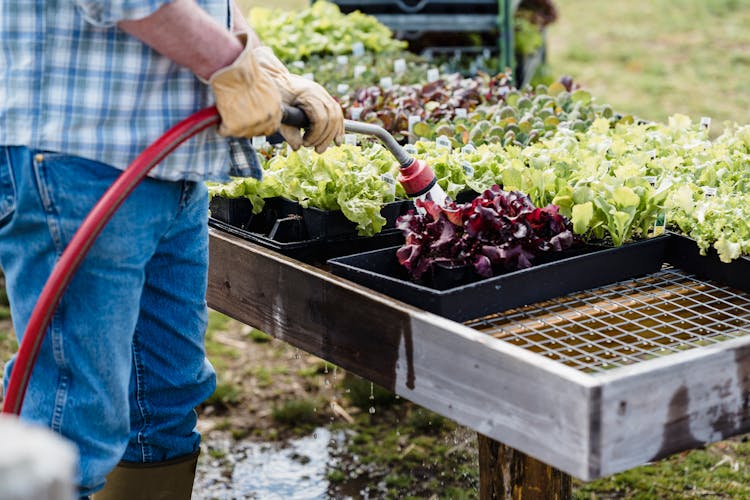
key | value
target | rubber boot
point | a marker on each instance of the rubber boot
(170, 480)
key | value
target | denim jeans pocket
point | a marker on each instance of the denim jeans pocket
(7, 187)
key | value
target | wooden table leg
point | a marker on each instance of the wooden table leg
(505, 473)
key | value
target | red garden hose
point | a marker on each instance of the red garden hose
(417, 178)
(81, 242)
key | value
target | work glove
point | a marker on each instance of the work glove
(248, 100)
(324, 113)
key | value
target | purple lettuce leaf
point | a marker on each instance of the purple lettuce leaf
(498, 231)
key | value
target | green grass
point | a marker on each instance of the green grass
(720, 471)
(296, 412)
(654, 58)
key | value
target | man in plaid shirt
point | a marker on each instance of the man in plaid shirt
(85, 86)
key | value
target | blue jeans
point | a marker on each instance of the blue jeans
(123, 364)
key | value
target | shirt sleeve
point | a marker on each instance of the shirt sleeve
(104, 14)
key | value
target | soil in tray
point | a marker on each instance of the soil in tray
(461, 296)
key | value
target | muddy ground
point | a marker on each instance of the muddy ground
(363, 441)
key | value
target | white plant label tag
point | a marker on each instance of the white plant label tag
(356, 112)
(359, 70)
(468, 169)
(259, 141)
(706, 122)
(350, 139)
(468, 149)
(410, 149)
(342, 88)
(388, 179)
(386, 82)
(461, 113)
(399, 66)
(358, 49)
(433, 74)
(708, 191)
(660, 224)
(342, 60)
(444, 143)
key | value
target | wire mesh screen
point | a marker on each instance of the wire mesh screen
(626, 322)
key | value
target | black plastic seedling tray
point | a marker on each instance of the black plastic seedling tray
(684, 253)
(309, 251)
(328, 225)
(575, 270)
(333, 224)
(239, 211)
(280, 226)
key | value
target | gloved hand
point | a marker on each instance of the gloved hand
(325, 114)
(248, 100)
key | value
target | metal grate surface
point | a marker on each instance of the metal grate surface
(627, 322)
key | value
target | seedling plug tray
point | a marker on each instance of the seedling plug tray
(281, 226)
(454, 298)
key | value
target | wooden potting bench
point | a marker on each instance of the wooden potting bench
(584, 385)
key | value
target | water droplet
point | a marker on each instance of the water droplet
(315, 435)
(372, 410)
(372, 391)
(325, 368)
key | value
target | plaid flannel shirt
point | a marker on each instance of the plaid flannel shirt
(73, 83)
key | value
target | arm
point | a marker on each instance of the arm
(239, 25)
(186, 34)
(247, 99)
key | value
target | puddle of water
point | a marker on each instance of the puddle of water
(295, 470)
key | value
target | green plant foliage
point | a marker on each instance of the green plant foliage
(356, 180)
(320, 29)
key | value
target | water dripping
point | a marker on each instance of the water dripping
(372, 398)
